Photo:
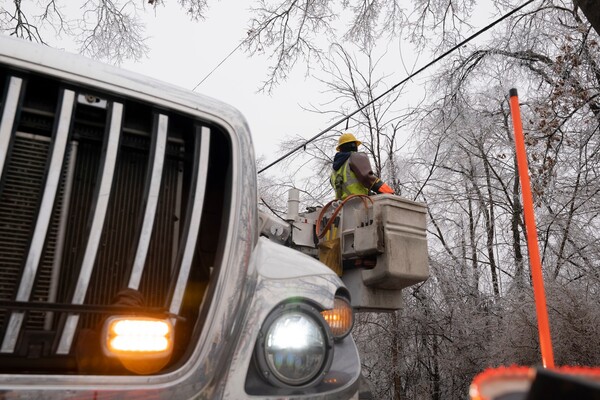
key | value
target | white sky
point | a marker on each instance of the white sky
(183, 52)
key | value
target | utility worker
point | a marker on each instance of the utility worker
(352, 173)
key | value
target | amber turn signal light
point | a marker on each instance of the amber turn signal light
(143, 345)
(340, 319)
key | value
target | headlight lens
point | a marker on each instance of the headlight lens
(294, 346)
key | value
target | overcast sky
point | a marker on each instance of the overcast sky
(183, 52)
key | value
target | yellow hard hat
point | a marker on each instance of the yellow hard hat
(347, 138)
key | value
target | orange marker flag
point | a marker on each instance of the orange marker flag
(532, 239)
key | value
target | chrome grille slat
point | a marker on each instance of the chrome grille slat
(160, 260)
(190, 236)
(9, 114)
(123, 223)
(57, 258)
(36, 246)
(157, 159)
(102, 198)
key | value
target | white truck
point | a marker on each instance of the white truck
(131, 258)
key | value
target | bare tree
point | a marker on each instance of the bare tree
(288, 31)
(477, 308)
(17, 22)
(352, 82)
(111, 31)
(294, 30)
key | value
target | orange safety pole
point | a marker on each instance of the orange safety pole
(532, 239)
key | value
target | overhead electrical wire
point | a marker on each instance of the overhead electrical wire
(435, 60)
(218, 65)
(255, 34)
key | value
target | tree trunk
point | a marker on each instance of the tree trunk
(490, 224)
(473, 245)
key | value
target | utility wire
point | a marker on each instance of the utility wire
(218, 65)
(435, 60)
(256, 33)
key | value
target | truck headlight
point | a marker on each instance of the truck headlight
(294, 347)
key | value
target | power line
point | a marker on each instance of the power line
(218, 65)
(435, 60)
(256, 33)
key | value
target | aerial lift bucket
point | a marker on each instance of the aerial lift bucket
(381, 245)
(377, 244)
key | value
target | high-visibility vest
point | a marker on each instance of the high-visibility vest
(345, 183)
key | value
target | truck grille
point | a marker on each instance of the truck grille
(100, 193)
(18, 208)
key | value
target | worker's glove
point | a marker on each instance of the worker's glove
(385, 189)
(381, 187)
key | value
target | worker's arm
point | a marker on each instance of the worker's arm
(361, 166)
